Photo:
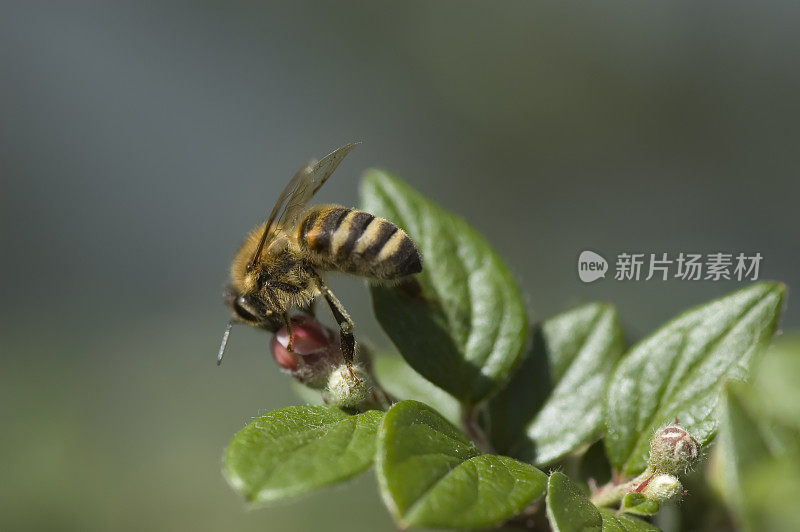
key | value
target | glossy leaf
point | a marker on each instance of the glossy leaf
(613, 522)
(402, 382)
(569, 362)
(294, 450)
(679, 370)
(431, 475)
(568, 508)
(467, 331)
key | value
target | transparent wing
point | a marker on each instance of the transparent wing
(295, 197)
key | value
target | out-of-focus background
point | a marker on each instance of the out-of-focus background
(139, 142)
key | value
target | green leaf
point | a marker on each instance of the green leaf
(679, 370)
(613, 522)
(749, 443)
(777, 380)
(636, 503)
(570, 358)
(431, 475)
(742, 446)
(568, 508)
(291, 451)
(402, 382)
(467, 332)
(772, 491)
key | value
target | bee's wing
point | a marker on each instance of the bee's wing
(295, 197)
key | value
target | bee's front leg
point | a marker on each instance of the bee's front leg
(288, 322)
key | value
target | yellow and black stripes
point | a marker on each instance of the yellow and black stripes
(347, 232)
(357, 242)
(319, 226)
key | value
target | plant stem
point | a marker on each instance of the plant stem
(474, 431)
(612, 493)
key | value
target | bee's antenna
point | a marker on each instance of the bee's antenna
(224, 342)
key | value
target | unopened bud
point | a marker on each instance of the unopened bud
(315, 351)
(308, 336)
(673, 450)
(662, 488)
(285, 358)
(348, 386)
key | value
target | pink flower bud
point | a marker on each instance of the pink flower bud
(308, 336)
(282, 356)
(315, 351)
(673, 450)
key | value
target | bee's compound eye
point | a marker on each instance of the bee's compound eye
(242, 310)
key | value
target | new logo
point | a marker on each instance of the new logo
(591, 266)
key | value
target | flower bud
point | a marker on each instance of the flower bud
(662, 488)
(285, 358)
(308, 336)
(673, 450)
(315, 351)
(348, 388)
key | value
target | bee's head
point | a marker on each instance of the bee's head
(252, 309)
(249, 308)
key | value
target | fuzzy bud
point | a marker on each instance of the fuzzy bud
(673, 450)
(348, 389)
(662, 488)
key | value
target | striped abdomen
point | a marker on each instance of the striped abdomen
(357, 242)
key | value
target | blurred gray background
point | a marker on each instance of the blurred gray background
(139, 142)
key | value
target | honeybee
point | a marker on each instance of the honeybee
(278, 266)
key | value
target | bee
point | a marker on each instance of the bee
(279, 266)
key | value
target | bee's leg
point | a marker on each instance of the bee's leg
(288, 321)
(348, 340)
